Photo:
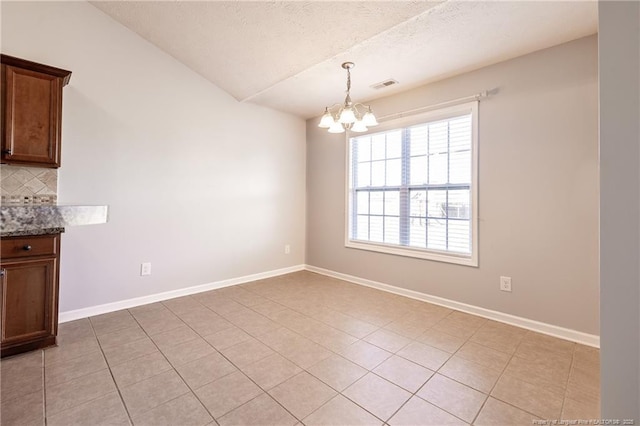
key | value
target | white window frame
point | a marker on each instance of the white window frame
(416, 252)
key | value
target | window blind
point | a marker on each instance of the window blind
(411, 187)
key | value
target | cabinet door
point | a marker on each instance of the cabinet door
(29, 308)
(32, 114)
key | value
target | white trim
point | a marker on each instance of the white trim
(540, 327)
(452, 102)
(407, 251)
(430, 115)
(158, 297)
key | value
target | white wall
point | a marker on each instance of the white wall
(538, 192)
(619, 46)
(200, 185)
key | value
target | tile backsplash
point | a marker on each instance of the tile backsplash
(28, 185)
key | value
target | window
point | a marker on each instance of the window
(412, 187)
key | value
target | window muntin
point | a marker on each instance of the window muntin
(412, 189)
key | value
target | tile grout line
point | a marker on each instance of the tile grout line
(396, 354)
(504, 369)
(126, 409)
(228, 360)
(44, 389)
(502, 374)
(305, 370)
(80, 377)
(173, 368)
(256, 336)
(393, 353)
(566, 386)
(277, 352)
(437, 372)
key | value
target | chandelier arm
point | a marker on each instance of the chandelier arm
(362, 105)
(337, 104)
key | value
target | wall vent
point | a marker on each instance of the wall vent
(383, 84)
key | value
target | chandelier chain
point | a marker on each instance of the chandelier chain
(347, 100)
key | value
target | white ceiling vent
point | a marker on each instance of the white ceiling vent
(383, 84)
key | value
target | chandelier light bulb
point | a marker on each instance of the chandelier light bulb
(336, 128)
(327, 119)
(347, 116)
(359, 126)
(369, 119)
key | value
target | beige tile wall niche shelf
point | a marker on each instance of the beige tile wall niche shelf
(31, 112)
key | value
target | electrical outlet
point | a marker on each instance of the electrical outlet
(505, 283)
(287, 249)
(145, 268)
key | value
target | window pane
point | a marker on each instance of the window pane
(392, 230)
(376, 229)
(362, 203)
(459, 236)
(362, 232)
(378, 147)
(394, 172)
(364, 148)
(438, 168)
(438, 133)
(460, 167)
(460, 133)
(422, 171)
(394, 144)
(377, 173)
(417, 232)
(364, 175)
(392, 203)
(437, 203)
(417, 203)
(459, 204)
(437, 234)
(418, 173)
(418, 140)
(377, 203)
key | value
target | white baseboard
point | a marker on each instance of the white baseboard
(131, 303)
(540, 327)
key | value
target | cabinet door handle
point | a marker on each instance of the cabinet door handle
(6, 151)
(2, 272)
(26, 248)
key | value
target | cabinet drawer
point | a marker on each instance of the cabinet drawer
(41, 245)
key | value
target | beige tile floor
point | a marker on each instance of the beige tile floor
(298, 349)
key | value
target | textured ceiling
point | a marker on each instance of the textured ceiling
(287, 55)
(246, 47)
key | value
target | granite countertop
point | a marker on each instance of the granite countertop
(18, 220)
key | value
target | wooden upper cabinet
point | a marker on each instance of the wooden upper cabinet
(31, 112)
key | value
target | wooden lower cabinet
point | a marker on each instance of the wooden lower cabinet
(29, 296)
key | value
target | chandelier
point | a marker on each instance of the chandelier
(348, 116)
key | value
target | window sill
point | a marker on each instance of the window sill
(416, 253)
